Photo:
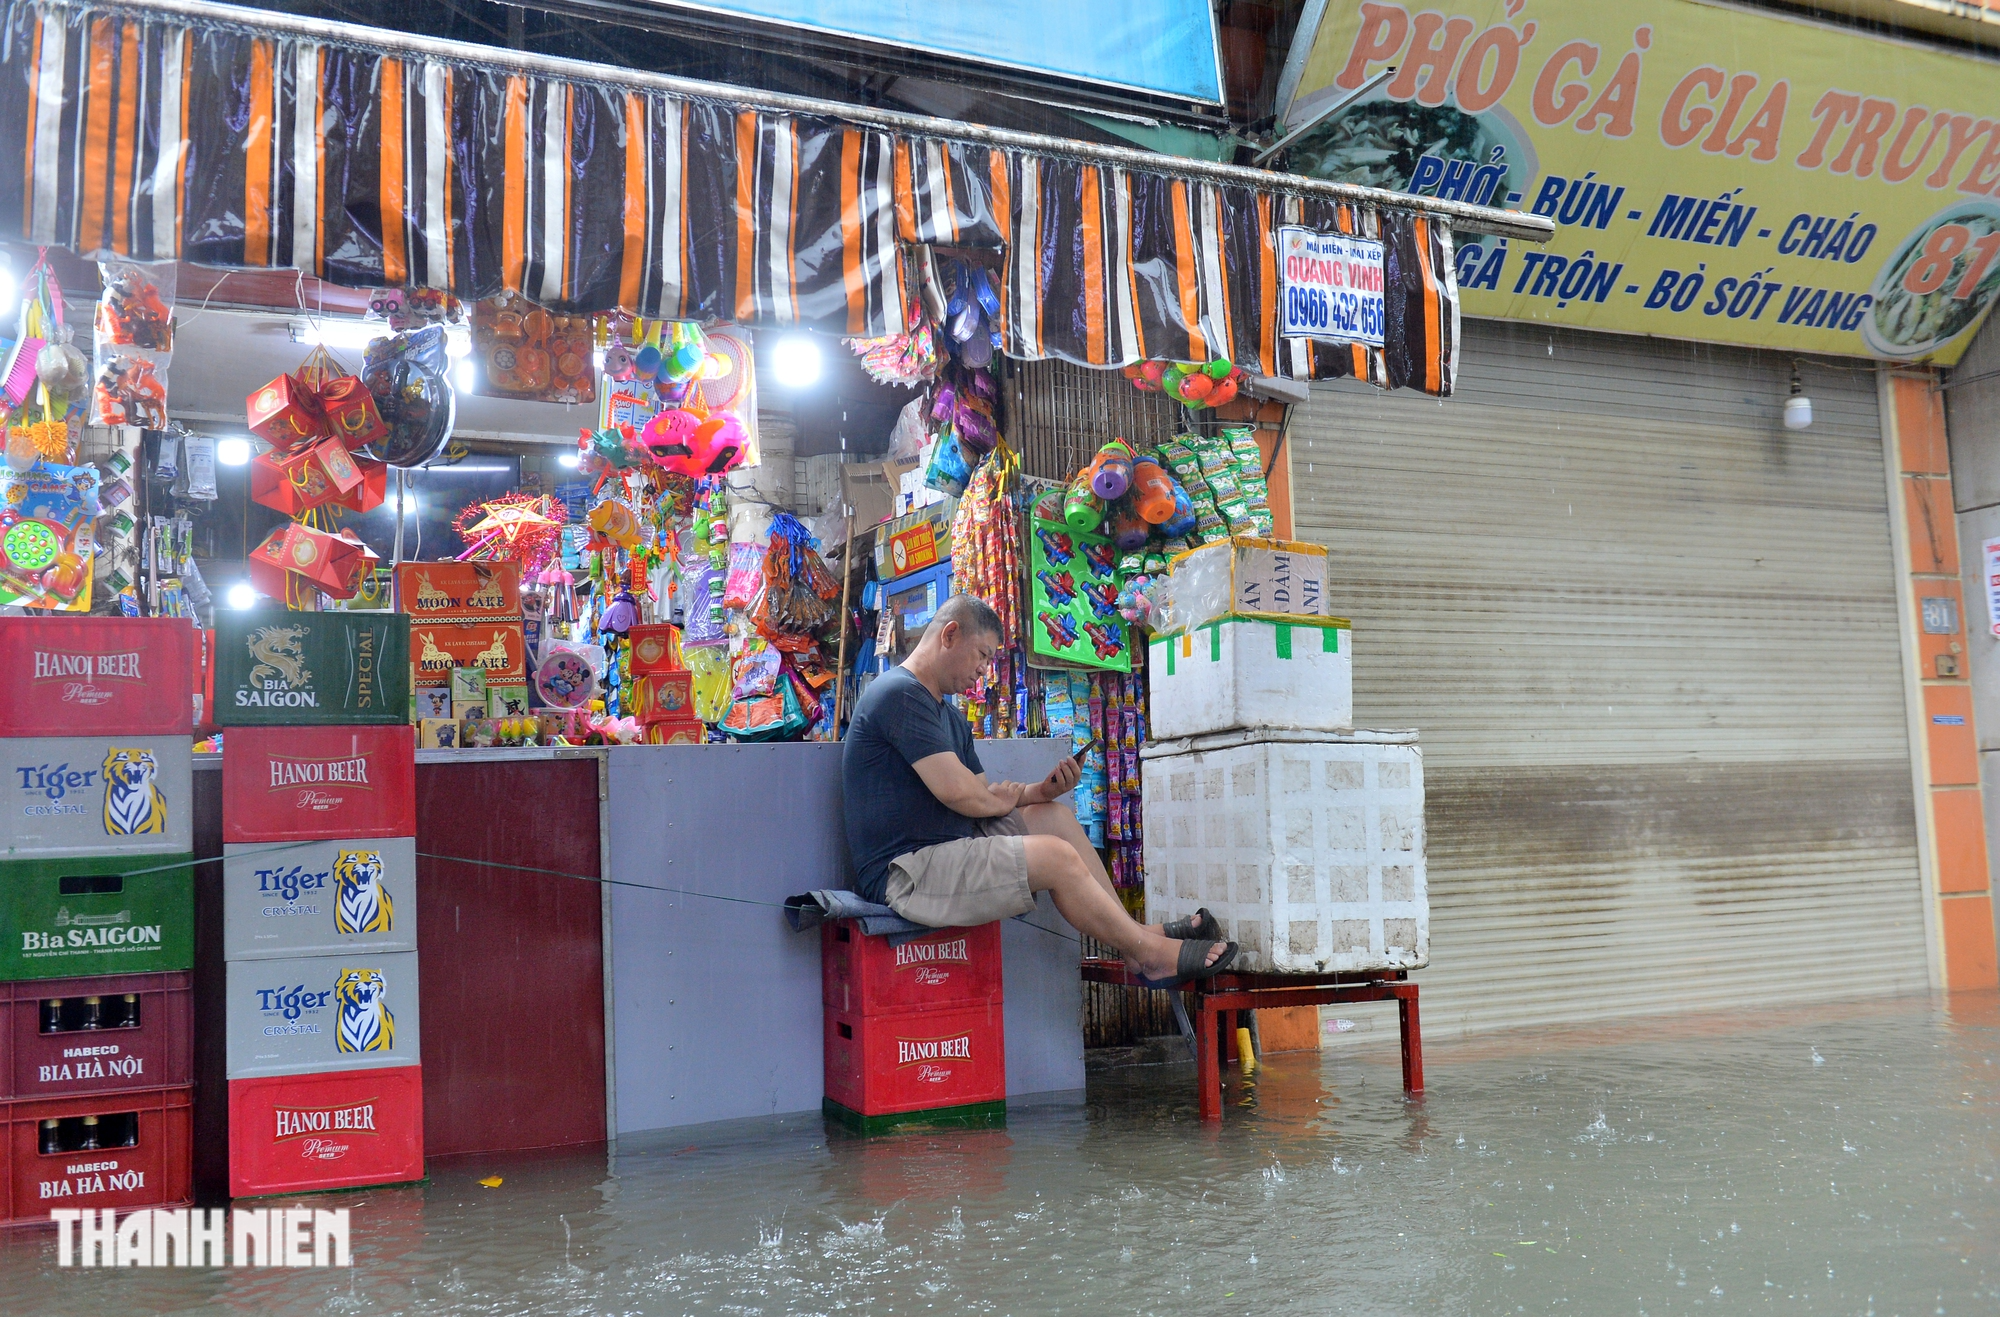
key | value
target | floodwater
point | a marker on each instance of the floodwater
(1832, 1160)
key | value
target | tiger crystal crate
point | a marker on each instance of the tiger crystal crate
(1309, 847)
(96, 795)
(317, 1014)
(321, 898)
(276, 668)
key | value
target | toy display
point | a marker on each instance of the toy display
(530, 354)
(415, 399)
(46, 548)
(1193, 384)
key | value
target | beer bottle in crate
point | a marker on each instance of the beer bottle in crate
(52, 1015)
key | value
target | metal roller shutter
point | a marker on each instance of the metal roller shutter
(1650, 638)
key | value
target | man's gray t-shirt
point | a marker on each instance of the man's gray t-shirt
(890, 811)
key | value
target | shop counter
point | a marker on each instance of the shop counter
(558, 1007)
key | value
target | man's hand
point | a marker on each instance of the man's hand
(1010, 795)
(1060, 782)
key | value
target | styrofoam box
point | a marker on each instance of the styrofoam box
(1251, 672)
(1309, 848)
(316, 1014)
(319, 898)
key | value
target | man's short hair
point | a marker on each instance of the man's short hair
(972, 614)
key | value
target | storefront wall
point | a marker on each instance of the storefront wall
(1651, 640)
(1972, 409)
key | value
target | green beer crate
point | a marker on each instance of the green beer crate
(276, 668)
(116, 914)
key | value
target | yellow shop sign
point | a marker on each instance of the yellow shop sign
(1714, 173)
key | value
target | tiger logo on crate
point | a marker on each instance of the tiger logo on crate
(365, 1022)
(132, 804)
(360, 903)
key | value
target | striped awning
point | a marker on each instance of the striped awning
(227, 144)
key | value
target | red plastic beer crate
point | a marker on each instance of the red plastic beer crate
(340, 1130)
(880, 1065)
(155, 1169)
(96, 676)
(318, 783)
(864, 975)
(156, 1051)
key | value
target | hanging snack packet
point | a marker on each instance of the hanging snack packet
(136, 308)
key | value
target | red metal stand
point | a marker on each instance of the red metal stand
(1210, 999)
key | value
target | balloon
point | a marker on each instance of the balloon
(1218, 368)
(1133, 371)
(1196, 387)
(1225, 391)
(1153, 370)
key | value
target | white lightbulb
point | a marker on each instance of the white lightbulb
(465, 377)
(1798, 412)
(242, 595)
(232, 451)
(795, 361)
(569, 461)
(457, 341)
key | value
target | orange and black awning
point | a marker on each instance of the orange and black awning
(158, 136)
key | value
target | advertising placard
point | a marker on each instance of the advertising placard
(1330, 287)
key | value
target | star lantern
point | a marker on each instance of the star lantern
(521, 528)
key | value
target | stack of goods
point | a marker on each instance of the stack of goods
(97, 895)
(51, 512)
(660, 690)
(986, 563)
(467, 650)
(1103, 715)
(1252, 697)
(319, 934)
(1224, 477)
(914, 1030)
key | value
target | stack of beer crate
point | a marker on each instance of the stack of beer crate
(660, 690)
(96, 914)
(914, 1027)
(319, 901)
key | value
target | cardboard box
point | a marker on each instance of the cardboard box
(461, 591)
(468, 686)
(429, 703)
(437, 734)
(872, 489)
(507, 701)
(496, 647)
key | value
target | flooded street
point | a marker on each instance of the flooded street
(1832, 1160)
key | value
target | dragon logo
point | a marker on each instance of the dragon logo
(279, 658)
(360, 903)
(365, 1022)
(132, 804)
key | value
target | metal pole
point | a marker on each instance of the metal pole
(1464, 218)
(846, 587)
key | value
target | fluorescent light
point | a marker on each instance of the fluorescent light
(795, 361)
(232, 451)
(338, 335)
(242, 595)
(465, 376)
(569, 461)
(457, 341)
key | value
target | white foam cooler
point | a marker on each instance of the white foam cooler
(1309, 847)
(1237, 671)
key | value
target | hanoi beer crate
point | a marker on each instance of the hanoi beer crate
(318, 783)
(117, 1150)
(911, 1061)
(96, 795)
(322, 898)
(299, 1133)
(86, 1036)
(96, 676)
(862, 975)
(108, 914)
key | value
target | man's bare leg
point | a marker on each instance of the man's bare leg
(1057, 819)
(1055, 866)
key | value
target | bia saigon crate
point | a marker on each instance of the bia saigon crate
(111, 914)
(291, 669)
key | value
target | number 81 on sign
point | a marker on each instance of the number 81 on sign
(1329, 287)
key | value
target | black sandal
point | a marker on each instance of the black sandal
(1192, 965)
(1201, 926)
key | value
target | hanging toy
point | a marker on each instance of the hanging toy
(1152, 491)
(719, 444)
(615, 522)
(669, 440)
(1183, 522)
(1083, 511)
(1129, 530)
(621, 614)
(1111, 472)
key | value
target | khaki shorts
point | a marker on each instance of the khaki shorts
(965, 883)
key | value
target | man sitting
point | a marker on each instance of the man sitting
(934, 840)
